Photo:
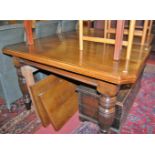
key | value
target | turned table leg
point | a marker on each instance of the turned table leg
(25, 79)
(106, 110)
(24, 89)
(27, 71)
(106, 113)
(23, 85)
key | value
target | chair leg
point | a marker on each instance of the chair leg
(28, 30)
(144, 32)
(130, 39)
(119, 39)
(81, 34)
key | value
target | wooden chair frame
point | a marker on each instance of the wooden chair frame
(118, 42)
(143, 32)
(28, 31)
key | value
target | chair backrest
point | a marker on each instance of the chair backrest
(142, 29)
(141, 33)
(9, 34)
(118, 41)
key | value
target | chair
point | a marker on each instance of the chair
(118, 41)
(9, 88)
(142, 30)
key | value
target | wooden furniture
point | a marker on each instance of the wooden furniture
(118, 41)
(55, 100)
(28, 31)
(90, 110)
(142, 30)
(93, 67)
(142, 33)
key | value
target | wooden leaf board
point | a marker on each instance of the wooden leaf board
(60, 103)
(38, 89)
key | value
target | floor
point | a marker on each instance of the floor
(69, 127)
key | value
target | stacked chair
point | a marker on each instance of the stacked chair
(120, 28)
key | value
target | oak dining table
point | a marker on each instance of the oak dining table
(93, 66)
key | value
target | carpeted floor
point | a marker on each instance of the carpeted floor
(18, 120)
(141, 118)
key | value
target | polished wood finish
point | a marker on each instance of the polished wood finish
(118, 41)
(83, 37)
(39, 89)
(70, 75)
(107, 88)
(55, 100)
(98, 59)
(119, 32)
(90, 108)
(94, 66)
(60, 102)
(106, 109)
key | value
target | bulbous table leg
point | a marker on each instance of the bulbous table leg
(106, 112)
(106, 109)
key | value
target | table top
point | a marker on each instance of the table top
(95, 61)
